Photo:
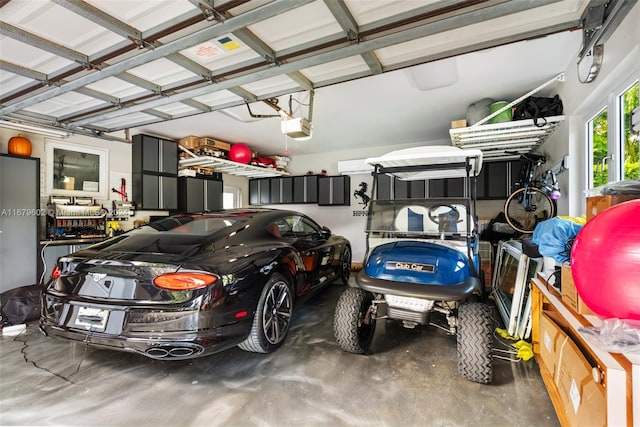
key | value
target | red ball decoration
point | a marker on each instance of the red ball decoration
(240, 153)
(605, 262)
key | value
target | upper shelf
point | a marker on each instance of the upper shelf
(227, 166)
(506, 139)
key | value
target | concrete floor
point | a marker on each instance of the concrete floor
(410, 379)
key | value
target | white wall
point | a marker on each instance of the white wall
(621, 60)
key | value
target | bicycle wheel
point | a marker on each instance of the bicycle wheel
(526, 207)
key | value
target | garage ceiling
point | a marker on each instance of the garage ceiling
(383, 72)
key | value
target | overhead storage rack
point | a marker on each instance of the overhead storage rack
(227, 166)
(508, 139)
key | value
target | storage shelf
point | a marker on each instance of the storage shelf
(227, 166)
(506, 139)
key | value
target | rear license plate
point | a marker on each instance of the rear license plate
(92, 318)
(408, 303)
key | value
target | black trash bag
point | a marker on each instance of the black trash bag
(20, 305)
(537, 108)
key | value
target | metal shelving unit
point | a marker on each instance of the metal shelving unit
(508, 139)
(227, 166)
(495, 140)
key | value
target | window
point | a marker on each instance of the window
(613, 145)
(630, 144)
(75, 170)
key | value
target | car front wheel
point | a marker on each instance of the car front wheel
(353, 325)
(272, 317)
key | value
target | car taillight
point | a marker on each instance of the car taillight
(55, 273)
(184, 281)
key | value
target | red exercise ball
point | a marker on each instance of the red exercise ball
(605, 262)
(240, 153)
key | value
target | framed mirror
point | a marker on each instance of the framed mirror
(76, 170)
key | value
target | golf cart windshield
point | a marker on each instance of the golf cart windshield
(420, 217)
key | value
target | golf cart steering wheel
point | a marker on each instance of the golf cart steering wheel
(445, 220)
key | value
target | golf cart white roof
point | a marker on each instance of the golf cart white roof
(437, 156)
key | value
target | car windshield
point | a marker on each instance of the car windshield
(191, 225)
(418, 217)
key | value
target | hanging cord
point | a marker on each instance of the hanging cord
(44, 263)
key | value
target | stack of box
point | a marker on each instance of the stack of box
(570, 294)
(205, 146)
(596, 204)
(580, 385)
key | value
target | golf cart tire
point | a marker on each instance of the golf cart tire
(474, 342)
(350, 332)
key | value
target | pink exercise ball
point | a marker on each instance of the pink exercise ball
(240, 153)
(605, 262)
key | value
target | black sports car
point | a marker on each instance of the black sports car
(194, 284)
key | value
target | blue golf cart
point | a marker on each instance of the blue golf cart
(421, 265)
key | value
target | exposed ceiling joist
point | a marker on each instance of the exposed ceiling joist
(230, 25)
(372, 44)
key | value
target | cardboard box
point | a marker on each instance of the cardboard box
(584, 400)
(597, 204)
(485, 250)
(462, 123)
(190, 141)
(569, 292)
(552, 337)
(214, 143)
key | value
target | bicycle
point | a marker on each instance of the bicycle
(532, 199)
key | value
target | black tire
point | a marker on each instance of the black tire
(525, 218)
(272, 317)
(345, 266)
(474, 342)
(349, 328)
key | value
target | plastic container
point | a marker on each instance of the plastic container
(505, 116)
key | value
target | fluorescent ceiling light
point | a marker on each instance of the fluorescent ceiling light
(56, 133)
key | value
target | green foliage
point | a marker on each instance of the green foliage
(631, 146)
(631, 139)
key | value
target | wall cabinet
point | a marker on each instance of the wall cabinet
(198, 194)
(19, 221)
(320, 189)
(494, 182)
(305, 189)
(334, 190)
(497, 178)
(154, 173)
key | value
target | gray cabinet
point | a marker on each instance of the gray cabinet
(494, 182)
(154, 173)
(334, 190)
(199, 194)
(497, 178)
(19, 221)
(283, 190)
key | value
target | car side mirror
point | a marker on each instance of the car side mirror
(325, 232)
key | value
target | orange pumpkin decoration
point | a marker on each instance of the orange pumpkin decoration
(19, 146)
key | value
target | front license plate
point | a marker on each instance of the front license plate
(92, 318)
(409, 303)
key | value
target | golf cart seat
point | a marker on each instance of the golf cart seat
(415, 219)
